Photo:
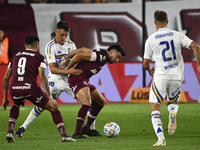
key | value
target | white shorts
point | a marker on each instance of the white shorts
(57, 86)
(160, 88)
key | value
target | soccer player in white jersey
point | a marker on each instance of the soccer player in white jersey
(164, 46)
(55, 51)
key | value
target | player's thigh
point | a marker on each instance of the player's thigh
(174, 91)
(39, 97)
(158, 91)
(83, 95)
(98, 98)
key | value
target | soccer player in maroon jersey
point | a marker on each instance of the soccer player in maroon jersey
(24, 69)
(90, 63)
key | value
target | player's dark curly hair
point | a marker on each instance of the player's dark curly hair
(160, 16)
(118, 48)
(63, 25)
(32, 40)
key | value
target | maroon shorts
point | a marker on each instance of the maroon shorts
(36, 95)
(77, 84)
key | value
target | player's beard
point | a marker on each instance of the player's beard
(110, 60)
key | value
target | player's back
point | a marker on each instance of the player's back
(25, 69)
(167, 46)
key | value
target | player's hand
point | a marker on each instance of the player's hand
(63, 63)
(151, 71)
(5, 104)
(54, 104)
(73, 71)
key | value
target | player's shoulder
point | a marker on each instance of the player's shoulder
(68, 41)
(50, 43)
(49, 46)
(99, 50)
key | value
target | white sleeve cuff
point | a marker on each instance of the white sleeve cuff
(93, 57)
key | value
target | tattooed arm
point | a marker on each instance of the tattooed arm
(5, 88)
(44, 81)
(51, 105)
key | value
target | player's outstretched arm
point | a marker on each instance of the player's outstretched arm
(5, 88)
(195, 47)
(55, 70)
(70, 55)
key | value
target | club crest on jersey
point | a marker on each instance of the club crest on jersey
(102, 58)
(69, 50)
(50, 57)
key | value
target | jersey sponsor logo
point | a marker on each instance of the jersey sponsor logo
(164, 35)
(20, 78)
(26, 86)
(171, 66)
(20, 97)
(29, 54)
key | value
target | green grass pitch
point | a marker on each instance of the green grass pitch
(134, 120)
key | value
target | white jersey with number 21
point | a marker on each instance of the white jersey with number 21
(165, 46)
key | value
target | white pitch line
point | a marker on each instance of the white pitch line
(10, 108)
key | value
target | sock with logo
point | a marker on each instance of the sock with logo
(35, 112)
(157, 124)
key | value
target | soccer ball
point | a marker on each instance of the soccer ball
(111, 129)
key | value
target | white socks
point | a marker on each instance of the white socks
(35, 112)
(157, 125)
(173, 107)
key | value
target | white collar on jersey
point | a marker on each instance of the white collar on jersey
(161, 29)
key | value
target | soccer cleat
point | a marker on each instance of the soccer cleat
(88, 132)
(160, 143)
(68, 139)
(78, 136)
(96, 133)
(172, 122)
(10, 138)
(20, 132)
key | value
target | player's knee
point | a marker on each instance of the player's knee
(103, 102)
